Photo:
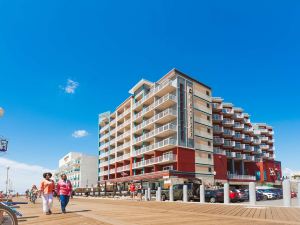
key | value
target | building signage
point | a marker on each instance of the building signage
(190, 111)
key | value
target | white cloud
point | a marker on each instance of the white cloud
(70, 87)
(21, 175)
(80, 133)
(288, 172)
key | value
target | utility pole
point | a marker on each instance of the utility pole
(7, 168)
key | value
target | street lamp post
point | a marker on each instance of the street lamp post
(7, 168)
(214, 178)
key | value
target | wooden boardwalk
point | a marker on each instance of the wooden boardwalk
(124, 212)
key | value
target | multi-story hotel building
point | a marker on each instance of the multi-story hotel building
(81, 169)
(162, 131)
(243, 151)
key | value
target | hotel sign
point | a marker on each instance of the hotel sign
(190, 111)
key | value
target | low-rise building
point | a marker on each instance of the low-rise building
(81, 169)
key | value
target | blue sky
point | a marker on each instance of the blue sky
(247, 52)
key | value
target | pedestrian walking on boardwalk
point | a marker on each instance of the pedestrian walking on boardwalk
(132, 190)
(64, 192)
(46, 190)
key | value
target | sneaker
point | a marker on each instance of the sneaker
(63, 211)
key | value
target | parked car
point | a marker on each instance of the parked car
(233, 195)
(278, 192)
(242, 195)
(293, 194)
(213, 196)
(259, 196)
(268, 194)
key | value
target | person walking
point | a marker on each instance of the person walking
(132, 190)
(139, 192)
(64, 192)
(46, 190)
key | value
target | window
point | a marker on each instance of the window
(208, 130)
(209, 143)
(209, 169)
(208, 117)
(209, 156)
(207, 93)
(168, 167)
(208, 105)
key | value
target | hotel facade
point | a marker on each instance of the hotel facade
(165, 131)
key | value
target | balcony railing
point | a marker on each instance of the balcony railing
(160, 115)
(122, 157)
(264, 138)
(103, 173)
(169, 126)
(229, 143)
(238, 116)
(102, 164)
(154, 90)
(218, 129)
(123, 114)
(152, 161)
(217, 117)
(123, 146)
(238, 125)
(217, 106)
(203, 147)
(104, 128)
(249, 148)
(127, 133)
(241, 177)
(228, 122)
(227, 111)
(163, 143)
(123, 168)
(219, 151)
(218, 140)
(239, 146)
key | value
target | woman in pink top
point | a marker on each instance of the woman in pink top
(64, 192)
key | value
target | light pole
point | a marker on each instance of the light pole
(7, 168)
(214, 178)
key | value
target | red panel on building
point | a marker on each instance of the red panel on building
(185, 159)
(220, 162)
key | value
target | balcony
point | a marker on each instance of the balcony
(167, 158)
(124, 114)
(122, 136)
(104, 128)
(218, 141)
(218, 130)
(249, 148)
(219, 151)
(264, 139)
(165, 102)
(238, 126)
(248, 139)
(112, 161)
(237, 116)
(230, 154)
(228, 133)
(104, 137)
(239, 146)
(217, 106)
(123, 168)
(103, 173)
(264, 147)
(164, 144)
(228, 144)
(228, 111)
(249, 158)
(217, 118)
(102, 164)
(256, 141)
(103, 146)
(228, 122)
(257, 150)
(239, 155)
(123, 157)
(248, 130)
(247, 120)
(158, 88)
(265, 155)
(241, 177)
(264, 131)
(167, 129)
(239, 136)
(164, 116)
(125, 124)
(123, 146)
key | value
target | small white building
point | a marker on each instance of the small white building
(81, 169)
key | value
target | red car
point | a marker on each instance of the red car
(293, 194)
(233, 195)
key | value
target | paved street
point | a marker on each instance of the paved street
(125, 212)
